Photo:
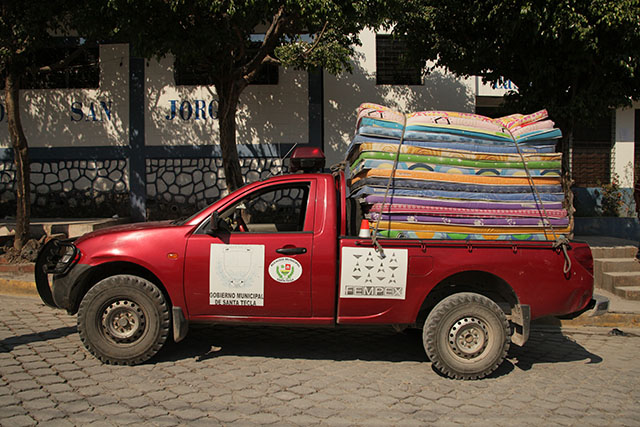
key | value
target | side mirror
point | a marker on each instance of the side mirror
(214, 222)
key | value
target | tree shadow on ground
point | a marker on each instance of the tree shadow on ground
(8, 344)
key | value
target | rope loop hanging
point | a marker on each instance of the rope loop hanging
(560, 241)
(374, 237)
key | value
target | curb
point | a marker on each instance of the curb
(18, 287)
(17, 279)
(611, 320)
(26, 268)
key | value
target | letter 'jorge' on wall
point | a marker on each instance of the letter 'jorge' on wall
(186, 110)
(91, 112)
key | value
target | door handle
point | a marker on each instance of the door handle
(291, 251)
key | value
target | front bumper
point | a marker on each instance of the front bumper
(57, 259)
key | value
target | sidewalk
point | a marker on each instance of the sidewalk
(69, 227)
(622, 312)
(606, 241)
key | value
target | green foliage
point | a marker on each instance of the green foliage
(611, 197)
(577, 58)
(304, 34)
(27, 26)
(332, 54)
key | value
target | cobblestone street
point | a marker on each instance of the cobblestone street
(258, 375)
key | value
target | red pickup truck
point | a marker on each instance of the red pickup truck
(285, 251)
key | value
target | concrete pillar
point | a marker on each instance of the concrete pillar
(624, 146)
(137, 158)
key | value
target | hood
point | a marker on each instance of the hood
(126, 228)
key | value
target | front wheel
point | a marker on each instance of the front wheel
(466, 336)
(123, 319)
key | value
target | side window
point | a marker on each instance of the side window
(276, 209)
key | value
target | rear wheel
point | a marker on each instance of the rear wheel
(123, 319)
(466, 336)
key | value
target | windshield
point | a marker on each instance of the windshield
(186, 219)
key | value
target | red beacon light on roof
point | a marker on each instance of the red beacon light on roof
(306, 159)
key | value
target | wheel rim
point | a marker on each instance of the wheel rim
(468, 337)
(123, 321)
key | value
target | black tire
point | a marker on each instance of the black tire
(466, 336)
(123, 320)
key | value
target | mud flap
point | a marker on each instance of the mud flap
(521, 319)
(180, 324)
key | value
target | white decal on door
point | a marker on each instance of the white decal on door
(236, 275)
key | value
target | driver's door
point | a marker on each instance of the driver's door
(258, 260)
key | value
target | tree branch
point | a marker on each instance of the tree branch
(270, 59)
(64, 63)
(271, 38)
(316, 41)
(239, 42)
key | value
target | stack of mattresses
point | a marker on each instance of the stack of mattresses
(458, 175)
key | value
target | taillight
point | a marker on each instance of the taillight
(582, 254)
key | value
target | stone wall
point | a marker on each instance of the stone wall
(100, 188)
(179, 187)
(70, 188)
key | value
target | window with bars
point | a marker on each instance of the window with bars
(199, 74)
(492, 107)
(592, 145)
(67, 65)
(591, 160)
(392, 64)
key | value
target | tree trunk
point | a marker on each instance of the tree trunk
(21, 159)
(229, 95)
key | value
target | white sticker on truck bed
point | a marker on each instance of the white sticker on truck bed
(236, 275)
(365, 275)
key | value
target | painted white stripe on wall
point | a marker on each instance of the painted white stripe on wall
(624, 145)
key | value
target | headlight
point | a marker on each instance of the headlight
(61, 258)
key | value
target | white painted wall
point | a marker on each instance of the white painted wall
(486, 89)
(624, 145)
(76, 117)
(344, 93)
(266, 114)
